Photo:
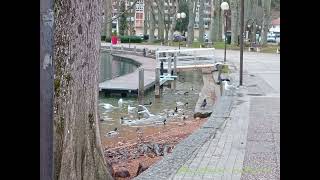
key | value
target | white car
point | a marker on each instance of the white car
(271, 38)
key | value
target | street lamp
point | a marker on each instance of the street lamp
(225, 6)
(181, 16)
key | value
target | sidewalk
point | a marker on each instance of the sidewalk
(242, 140)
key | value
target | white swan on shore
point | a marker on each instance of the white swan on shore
(131, 109)
(145, 111)
(120, 102)
(107, 106)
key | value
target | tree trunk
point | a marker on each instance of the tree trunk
(161, 24)
(235, 8)
(216, 24)
(146, 17)
(266, 4)
(174, 21)
(152, 23)
(191, 7)
(78, 151)
(108, 18)
(201, 21)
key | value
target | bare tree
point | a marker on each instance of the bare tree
(235, 28)
(174, 20)
(152, 17)
(78, 151)
(216, 21)
(201, 21)
(107, 18)
(266, 5)
(191, 7)
(146, 16)
(161, 19)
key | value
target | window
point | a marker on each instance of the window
(139, 15)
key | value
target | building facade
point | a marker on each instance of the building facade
(136, 16)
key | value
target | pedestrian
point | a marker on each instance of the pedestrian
(144, 52)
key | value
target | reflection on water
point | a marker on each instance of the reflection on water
(190, 82)
(112, 67)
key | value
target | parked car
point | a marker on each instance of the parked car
(178, 37)
(271, 38)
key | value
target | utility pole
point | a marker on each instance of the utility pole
(46, 89)
(241, 39)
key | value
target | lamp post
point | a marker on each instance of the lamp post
(181, 16)
(241, 39)
(225, 6)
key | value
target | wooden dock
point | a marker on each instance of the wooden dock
(129, 83)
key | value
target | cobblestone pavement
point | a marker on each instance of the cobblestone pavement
(262, 158)
(221, 157)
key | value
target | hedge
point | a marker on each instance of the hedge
(124, 39)
(133, 39)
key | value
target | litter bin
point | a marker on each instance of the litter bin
(114, 40)
(228, 37)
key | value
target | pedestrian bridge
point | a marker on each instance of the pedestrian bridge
(185, 58)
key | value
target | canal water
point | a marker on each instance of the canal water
(188, 86)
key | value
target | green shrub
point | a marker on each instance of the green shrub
(133, 39)
(103, 38)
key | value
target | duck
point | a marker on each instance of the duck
(148, 104)
(113, 133)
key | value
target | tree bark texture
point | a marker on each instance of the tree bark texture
(78, 151)
(266, 5)
(174, 21)
(235, 24)
(191, 7)
(201, 21)
(108, 18)
(161, 24)
(146, 17)
(216, 22)
(151, 22)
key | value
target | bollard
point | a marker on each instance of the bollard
(135, 49)
(121, 47)
(157, 84)
(141, 86)
(161, 67)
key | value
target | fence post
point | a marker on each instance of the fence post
(141, 86)
(169, 63)
(157, 85)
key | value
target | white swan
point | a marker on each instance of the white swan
(131, 109)
(227, 86)
(120, 102)
(107, 106)
(145, 111)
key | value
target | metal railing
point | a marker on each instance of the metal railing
(186, 57)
